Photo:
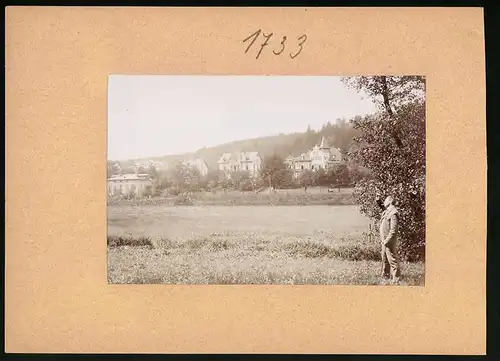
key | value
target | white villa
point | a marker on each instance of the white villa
(123, 184)
(320, 156)
(240, 162)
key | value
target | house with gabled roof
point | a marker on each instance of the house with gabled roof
(126, 184)
(240, 162)
(321, 156)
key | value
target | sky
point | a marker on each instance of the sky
(154, 115)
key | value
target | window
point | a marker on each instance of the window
(301, 167)
(247, 166)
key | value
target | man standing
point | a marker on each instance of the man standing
(388, 237)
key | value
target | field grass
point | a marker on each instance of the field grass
(245, 245)
(313, 196)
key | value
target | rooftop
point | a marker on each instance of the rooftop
(239, 156)
(324, 143)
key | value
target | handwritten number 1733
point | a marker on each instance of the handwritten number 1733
(278, 49)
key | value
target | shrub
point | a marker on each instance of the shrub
(183, 200)
(219, 245)
(396, 172)
(196, 243)
(120, 241)
(392, 146)
(172, 191)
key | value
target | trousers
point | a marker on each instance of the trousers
(390, 262)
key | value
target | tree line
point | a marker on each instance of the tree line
(274, 174)
(339, 133)
(277, 175)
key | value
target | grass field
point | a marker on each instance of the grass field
(313, 196)
(244, 245)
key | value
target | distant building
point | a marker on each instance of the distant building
(159, 166)
(289, 161)
(319, 157)
(240, 162)
(125, 183)
(146, 164)
(198, 164)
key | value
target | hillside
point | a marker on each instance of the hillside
(339, 135)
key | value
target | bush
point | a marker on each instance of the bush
(246, 185)
(171, 191)
(120, 241)
(148, 191)
(396, 171)
(392, 146)
(399, 172)
(183, 200)
(219, 245)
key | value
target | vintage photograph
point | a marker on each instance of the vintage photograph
(266, 180)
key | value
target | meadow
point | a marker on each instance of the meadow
(265, 244)
(263, 197)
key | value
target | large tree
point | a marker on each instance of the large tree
(307, 179)
(342, 175)
(390, 93)
(392, 147)
(113, 168)
(275, 173)
(153, 172)
(163, 180)
(185, 177)
(321, 177)
(238, 177)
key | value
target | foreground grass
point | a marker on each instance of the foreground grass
(249, 259)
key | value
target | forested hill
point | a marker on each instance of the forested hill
(338, 134)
